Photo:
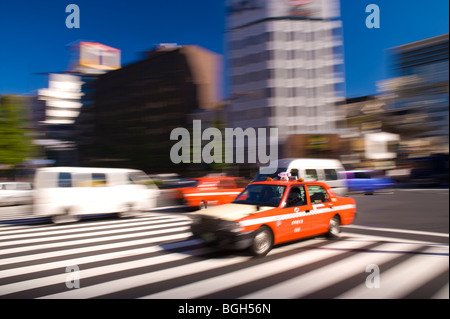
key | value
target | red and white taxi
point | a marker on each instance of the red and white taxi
(272, 212)
(210, 191)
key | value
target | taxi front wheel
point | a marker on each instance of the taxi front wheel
(262, 242)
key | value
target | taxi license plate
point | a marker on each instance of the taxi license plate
(208, 237)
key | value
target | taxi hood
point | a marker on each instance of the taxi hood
(231, 211)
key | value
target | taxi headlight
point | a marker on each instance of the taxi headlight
(230, 226)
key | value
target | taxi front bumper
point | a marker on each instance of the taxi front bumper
(213, 231)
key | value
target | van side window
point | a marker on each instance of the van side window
(294, 173)
(318, 194)
(64, 180)
(331, 174)
(98, 179)
(311, 175)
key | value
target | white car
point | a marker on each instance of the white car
(15, 193)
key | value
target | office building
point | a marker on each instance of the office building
(287, 67)
(136, 107)
(66, 96)
(417, 96)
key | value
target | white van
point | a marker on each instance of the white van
(65, 193)
(310, 169)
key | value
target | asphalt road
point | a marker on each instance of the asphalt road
(425, 210)
(403, 235)
(418, 211)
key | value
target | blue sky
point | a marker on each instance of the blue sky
(34, 38)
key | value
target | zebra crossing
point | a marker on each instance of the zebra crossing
(155, 257)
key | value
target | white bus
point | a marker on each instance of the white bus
(66, 193)
(310, 169)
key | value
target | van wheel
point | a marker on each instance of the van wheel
(203, 205)
(57, 219)
(262, 242)
(129, 212)
(64, 218)
(334, 228)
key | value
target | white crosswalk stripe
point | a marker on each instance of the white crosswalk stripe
(154, 257)
(393, 283)
(328, 275)
(257, 272)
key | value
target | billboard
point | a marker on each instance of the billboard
(96, 56)
(242, 12)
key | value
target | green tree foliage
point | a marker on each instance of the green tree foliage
(14, 143)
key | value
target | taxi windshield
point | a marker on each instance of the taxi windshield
(261, 195)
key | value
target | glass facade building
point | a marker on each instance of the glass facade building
(286, 66)
(417, 96)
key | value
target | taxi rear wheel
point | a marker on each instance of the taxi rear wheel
(262, 242)
(334, 228)
(203, 205)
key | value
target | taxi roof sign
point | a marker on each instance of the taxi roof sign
(284, 176)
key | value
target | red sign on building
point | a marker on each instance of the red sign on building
(297, 3)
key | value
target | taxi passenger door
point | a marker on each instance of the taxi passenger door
(297, 215)
(321, 206)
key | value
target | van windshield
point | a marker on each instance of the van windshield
(264, 175)
(138, 178)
